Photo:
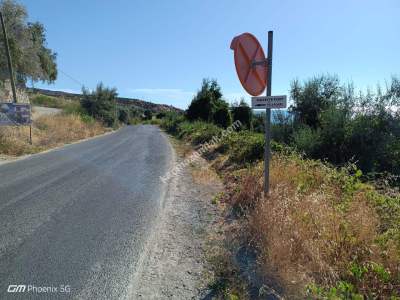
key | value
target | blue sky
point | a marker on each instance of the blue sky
(160, 50)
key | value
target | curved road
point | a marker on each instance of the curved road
(78, 216)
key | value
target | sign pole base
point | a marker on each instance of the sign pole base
(30, 134)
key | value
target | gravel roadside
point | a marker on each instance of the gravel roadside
(174, 265)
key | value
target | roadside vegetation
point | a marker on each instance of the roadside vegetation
(48, 132)
(53, 102)
(73, 123)
(330, 228)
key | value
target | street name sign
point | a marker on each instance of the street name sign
(272, 102)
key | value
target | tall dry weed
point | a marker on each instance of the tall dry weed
(47, 132)
(314, 227)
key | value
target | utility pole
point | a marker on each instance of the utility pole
(8, 59)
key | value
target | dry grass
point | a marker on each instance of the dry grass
(203, 174)
(47, 132)
(318, 227)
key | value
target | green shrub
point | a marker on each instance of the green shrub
(74, 107)
(87, 119)
(161, 115)
(100, 104)
(243, 146)
(222, 115)
(258, 123)
(171, 122)
(208, 105)
(198, 132)
(204, 103)
(242, 112)
(123, 115)
(148, 115)
(46, 101)
(306, 140)
(134, 121)
(348, 126)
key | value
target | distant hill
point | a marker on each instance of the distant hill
(140, 104)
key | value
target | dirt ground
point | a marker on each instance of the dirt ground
(175, 266)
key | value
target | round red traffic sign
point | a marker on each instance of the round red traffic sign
(248, 50)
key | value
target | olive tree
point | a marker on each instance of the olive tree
(31, 58)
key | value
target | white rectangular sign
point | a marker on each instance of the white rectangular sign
(262, 102)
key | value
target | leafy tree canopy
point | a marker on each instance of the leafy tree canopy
(332, 122)
(313, 97)
(208, 105)
(100, 103)
(221, 115)
(31, 58)
(242, 112)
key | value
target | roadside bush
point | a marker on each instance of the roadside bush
(333, 133)
(242, 112)
(134, 112)
(135, 121)
(74, 107)
(148, 115)
(258, 122)
(161, 115)
(306, 140)
(281, 126)
(334, 124)
(198, 132)
(171, 122)
(86, 118)
(46, 101)
(123, 115)
(208, 105)
(243, 146)
(100, 104)
(204, 103)
(222, 115)
(313, 97)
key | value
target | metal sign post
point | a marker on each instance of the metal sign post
(267, 148)
(255, 74)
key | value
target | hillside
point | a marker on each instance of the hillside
(141, 104)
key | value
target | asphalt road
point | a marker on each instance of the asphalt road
(78, 216)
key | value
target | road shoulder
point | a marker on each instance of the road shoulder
(175, 264)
